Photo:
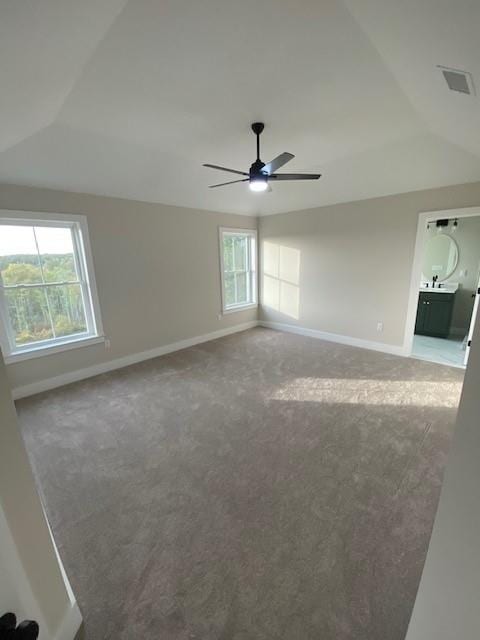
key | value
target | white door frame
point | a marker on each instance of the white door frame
(416, 276)
(472, 323)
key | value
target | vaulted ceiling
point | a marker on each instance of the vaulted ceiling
(129, 99)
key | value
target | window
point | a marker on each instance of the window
(47, 295)
(238, 258)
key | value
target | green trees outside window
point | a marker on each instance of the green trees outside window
(238, 268)
(41, 291)
(42, 312)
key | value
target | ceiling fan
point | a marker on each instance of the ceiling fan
(260, 173)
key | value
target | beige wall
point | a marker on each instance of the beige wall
(30, 574)
(467, 237)
(339, 269)
(157, 272)
(447, 604)
(343, 268)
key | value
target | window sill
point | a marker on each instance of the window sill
(242, 307)
(49, 350)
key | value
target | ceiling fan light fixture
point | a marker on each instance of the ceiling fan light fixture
(258, 184)
(260, 173)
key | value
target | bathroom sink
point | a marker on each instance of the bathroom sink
(448, 288)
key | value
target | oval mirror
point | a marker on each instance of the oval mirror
(441, 257)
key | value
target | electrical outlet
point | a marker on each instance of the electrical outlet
(379, 327)
(107, 343)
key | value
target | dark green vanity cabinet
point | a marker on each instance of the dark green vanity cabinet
(434, 314)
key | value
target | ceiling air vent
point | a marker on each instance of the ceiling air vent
(458, 80)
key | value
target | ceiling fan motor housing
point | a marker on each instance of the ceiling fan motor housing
(256, 169)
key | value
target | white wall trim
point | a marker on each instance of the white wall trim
(252, 234)
(14, 574)
(335, 337)
(70, 624)
(39, 352)
(125, 361)
(118, 363)
(30, 609)
(78, 226)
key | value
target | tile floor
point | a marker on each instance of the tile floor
(448, 351)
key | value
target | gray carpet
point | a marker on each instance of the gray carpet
(264, 486)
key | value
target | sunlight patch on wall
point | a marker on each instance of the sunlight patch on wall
(418, 393)
(281, 274)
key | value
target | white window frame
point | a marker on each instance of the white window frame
(84, 262)
(252, 281)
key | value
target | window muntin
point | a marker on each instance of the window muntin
(45, 295)
(238, 264)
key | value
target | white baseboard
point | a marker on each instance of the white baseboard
(70, 624)
(335, 337)
(118, 363)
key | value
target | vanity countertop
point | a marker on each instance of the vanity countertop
(448, 288)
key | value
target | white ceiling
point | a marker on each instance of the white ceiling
(129, 99)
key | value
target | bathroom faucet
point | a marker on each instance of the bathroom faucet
(434, 279)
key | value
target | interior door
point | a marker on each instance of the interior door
(472, 323)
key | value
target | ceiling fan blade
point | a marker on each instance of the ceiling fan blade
(295, 176)
(215, 166)
(222, 184)
(278, 162)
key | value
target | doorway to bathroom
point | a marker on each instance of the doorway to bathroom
(445, 288)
